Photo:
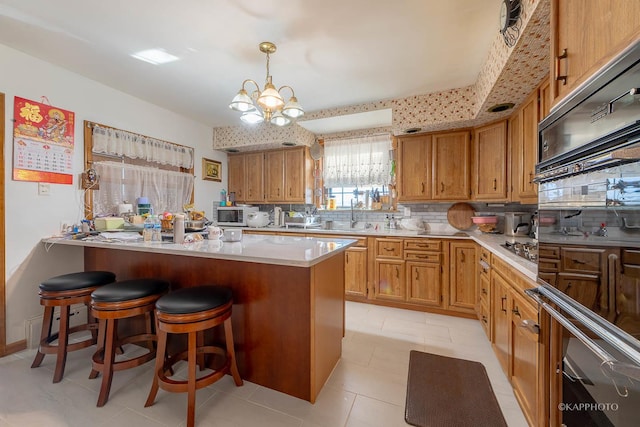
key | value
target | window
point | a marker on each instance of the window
(362, 198)
(129, 166)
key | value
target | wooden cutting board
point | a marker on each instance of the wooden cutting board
(459, 216)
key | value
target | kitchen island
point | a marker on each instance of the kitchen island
(288, 291)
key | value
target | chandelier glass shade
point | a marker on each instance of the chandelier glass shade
(266, 104)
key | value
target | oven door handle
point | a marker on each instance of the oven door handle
(620, 340)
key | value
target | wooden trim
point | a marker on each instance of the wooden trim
(3, 302)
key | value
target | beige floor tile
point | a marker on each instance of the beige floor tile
(366, 389)
(369, 412)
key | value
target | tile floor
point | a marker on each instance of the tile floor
(366, 389)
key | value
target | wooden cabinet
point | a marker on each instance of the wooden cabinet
(544, 96)
(500, 319)
(463, 276)
(414, 161)
(523, 136)
(434, 167)
(585, 35)
(424, 273)
(490, 162)
(254, 177)
(389, 274)
(525, 355)
(483, 298)
(451, 163)
(236, 176)
(288, 174)
(356, 282)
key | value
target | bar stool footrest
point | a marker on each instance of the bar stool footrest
(179, 386)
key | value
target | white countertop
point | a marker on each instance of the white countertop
(296, 251)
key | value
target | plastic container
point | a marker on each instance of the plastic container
(147, 230)
(223, 197)
(157, 229)
(178, 228)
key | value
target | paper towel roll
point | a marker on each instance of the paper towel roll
(124, 208)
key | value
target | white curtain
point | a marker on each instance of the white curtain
(119, 182)
(357, 162)
(116, 142)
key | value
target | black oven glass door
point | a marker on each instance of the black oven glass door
(229, 216)
(592, 395)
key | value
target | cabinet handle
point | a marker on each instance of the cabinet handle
(530, 177)
(462, 257)
(422, 256)
(484, 319)
(577, 261)
(289, 191)
(422, 191)
(516, 311)
(347, 258)
(484, 291)
(417, 275)
(563, 77)
(503, 300)
(388, 249)
(495, 184)
(442, 187)
(397, 273)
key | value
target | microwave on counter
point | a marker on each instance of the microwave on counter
(234, 216)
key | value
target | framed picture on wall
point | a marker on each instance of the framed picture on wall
(211, 170)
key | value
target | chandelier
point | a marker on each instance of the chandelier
(272, 107)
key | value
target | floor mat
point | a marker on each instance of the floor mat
(444, 391)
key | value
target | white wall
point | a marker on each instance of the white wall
(30, 217)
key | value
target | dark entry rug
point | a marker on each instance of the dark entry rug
(444, 391)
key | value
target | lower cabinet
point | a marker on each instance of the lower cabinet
(516, 340)
(389, 281)
(355, 272)
(463, 265)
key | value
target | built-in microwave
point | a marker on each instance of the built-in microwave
(234, 216)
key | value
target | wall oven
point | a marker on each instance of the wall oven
(589, 248)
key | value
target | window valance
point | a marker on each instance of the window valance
(361, 161)
(116, 142)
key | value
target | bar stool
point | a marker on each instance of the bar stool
(63, 291)
(192, 311)
(121, 300)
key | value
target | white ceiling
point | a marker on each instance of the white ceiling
(334, 53)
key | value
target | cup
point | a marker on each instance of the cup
(214, 233)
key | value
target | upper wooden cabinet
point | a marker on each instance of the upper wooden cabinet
(236, 176)
(414, 165)
(523, 137)
(287, 175)
(490, 162)
(451, 166)
(434, 167)
(585, 35)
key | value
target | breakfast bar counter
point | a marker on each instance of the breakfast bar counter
(288, 291)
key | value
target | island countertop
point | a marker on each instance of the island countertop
(294, 251)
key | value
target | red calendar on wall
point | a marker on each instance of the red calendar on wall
(42, 142)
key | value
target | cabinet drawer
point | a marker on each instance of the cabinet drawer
(423, 245)
(389, 248)
(483, 316)
(581, 260)
(422, 256)
(545, 251)
(548, 265)
(631, 256)
(485, 254)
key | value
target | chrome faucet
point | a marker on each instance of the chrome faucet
(353, 216)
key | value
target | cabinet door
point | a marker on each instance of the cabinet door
(490, 171)
(451, 166)
(524, 357)
(355, 272)
(414, 163)
(254, 163)
(500, 319)
(544, 96)
(526, 152)
(275, 176)
(389, 280)
(294, 181)
(462, 289)
(592, 32)
(236, 176)
(424, 283)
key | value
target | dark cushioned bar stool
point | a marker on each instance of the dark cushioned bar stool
(192, 311)
(63, 291)
(121, 300)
